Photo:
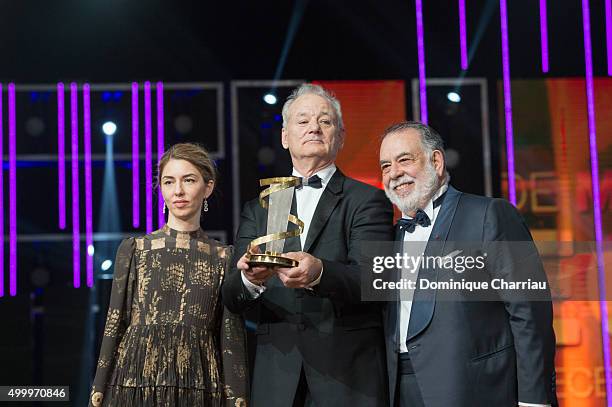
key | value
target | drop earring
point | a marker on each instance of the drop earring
(164, 209)
(205, 206)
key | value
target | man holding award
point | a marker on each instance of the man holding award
(317, 343)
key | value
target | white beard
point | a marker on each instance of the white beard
(425, 188)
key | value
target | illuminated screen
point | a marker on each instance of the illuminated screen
(553, 183)
(368, 108)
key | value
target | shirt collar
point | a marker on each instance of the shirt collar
(429, 209)
(325, 174)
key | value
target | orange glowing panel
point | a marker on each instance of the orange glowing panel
(368, 108)
(554, 194)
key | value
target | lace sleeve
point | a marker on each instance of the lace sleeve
(233, 353)
(117, 319)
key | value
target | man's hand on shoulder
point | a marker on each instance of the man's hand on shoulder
(305, 274)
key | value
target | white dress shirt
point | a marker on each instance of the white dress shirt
(307, 199)
(422, 234)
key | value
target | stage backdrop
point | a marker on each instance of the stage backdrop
(368, 108)
(553, 173)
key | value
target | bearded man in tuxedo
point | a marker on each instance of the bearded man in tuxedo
(456, 353)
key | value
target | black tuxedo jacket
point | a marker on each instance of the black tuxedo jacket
(477, 353)
(327, 331)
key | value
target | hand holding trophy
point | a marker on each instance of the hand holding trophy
(280, 196)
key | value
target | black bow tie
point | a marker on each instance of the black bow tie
(420, 218)
(408, 225)
(312, 182)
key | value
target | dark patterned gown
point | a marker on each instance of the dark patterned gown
(168, 340)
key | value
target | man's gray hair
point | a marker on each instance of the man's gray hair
(310, 89)
(430, 139)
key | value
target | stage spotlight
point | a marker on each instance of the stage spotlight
(453, 97)
(35, 126)
(90, 250)
(452, 158)
(109, 128)
(106, 264)
(40, 277)
(183, 124)
(266, 156)
(270, 99)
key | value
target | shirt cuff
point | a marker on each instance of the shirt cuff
(533, 405)
(253, 289)
(316, 281)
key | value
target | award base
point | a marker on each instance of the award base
(269, 259)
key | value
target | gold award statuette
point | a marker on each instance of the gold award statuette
(280, 196)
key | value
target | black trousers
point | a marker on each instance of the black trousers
(302, 394)
(408, 393)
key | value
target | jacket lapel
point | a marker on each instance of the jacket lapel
(329, 199)
(424, 301)
(393, 308)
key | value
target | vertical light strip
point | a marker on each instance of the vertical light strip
(421, 59)
(1, 197)
(148, 157)
(544, 35)
(160, 149)
(463, 35)
(605, 332)
(12, 191)
(74, 141)
(609, 34)
(135, 159)
(61, 156)
(88, 185)
(507, 102)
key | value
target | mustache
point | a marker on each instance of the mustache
(404, 179)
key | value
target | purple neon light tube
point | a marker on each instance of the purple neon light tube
(61, 157)
(88, 184)
(463, 35)
(135, 159)
(1, 199)
(421, 59)
(609, 34)
(12, 192)
(588, 60)
(507, 102)
(544, 35)
(76, 237)
(148, 157)
(160, 148)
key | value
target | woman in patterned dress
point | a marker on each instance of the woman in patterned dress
(168, 340)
